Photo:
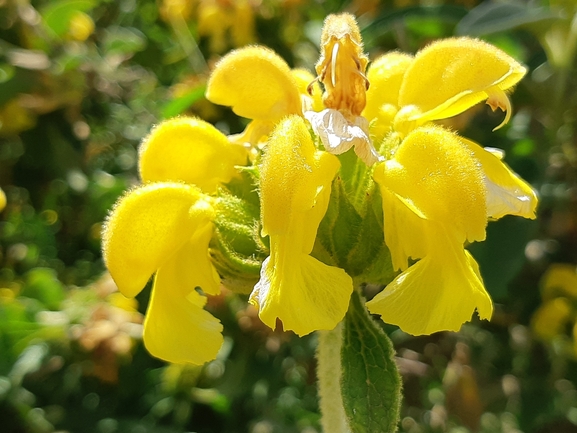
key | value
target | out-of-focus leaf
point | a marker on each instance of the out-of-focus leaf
(501, 255)
(42, 284)
(384, 22)
(57, 15)
(179, 105)
(6, 72)
(123, 40)
(491, 17)
(21, 82)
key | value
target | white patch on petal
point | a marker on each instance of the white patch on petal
(338, 134)
(503, 201)
(499, 153)
(260, 291)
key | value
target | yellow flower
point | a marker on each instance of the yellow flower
(258, 85)
(559, 280)
(218, 18)
(3, 200)
(552, 318)
(439, 189)
(295, 183)
(164, 227)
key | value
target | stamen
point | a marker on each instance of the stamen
(334, 64)
(364, 77)
(310, 86)
(499, 99)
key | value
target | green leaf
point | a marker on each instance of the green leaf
(371, 384)
(179, 105)
(490, 18)
(57, 15)
(385, 22)
(502, 255)
(123, 40)
(42, 284)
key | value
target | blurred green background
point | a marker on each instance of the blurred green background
(82, 81)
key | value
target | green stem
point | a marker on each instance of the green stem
(333, 419)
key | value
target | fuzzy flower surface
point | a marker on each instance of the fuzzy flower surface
(163, 227)
(307, 205)
(439, 189)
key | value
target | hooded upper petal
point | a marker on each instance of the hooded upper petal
(304, 293)
(147, 226)
(433, 173)
(291, 174)
(451, 75)
(385, 76)
(189, 150)
(256, 83)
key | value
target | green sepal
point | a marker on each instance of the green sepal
(370, 250)
(354, 241)
(237, 249)
(370, 383)
(339, 228)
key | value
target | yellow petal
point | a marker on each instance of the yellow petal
(256, 83)
(242, 31)
(295, 180)
(306, 82)
(304, 293)
(559, 280)
(177, 328)
(291, 174)
(385, 76)
(438, 293)
(3, 200)
(436, 174)
(452, 75)
(551, 318)
(507, 193)
(146, 227)
(189, 150)
(404, 227)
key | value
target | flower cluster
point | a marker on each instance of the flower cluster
(317, 224)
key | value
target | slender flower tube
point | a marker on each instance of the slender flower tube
(304, 293)
(164, 228)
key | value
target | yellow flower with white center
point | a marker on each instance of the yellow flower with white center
(164, 228)
(295, 185)
(341, 70)
(439, 189)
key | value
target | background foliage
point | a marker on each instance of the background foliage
(82, 81)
